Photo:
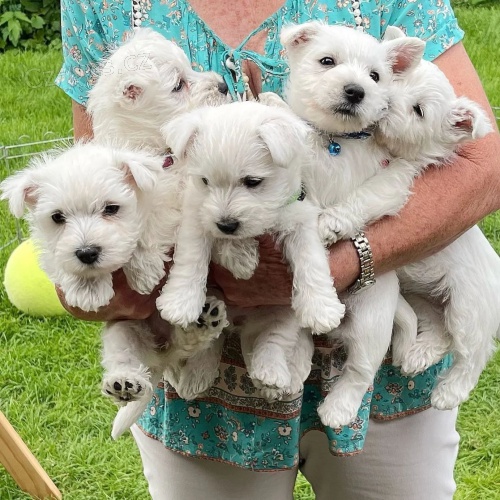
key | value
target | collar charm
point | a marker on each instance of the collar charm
(334, 148)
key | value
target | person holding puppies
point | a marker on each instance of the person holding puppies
(411, 457)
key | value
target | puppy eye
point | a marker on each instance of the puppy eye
(58, 217)
(418, 109)
(205, 181)
(375, 76)
(111, 209)
(179, 86)
(251, 181)
(327, 61)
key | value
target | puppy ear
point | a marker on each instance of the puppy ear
(180, 133)
(404, 53)
(284, 137)
(132, 92)
(469, 120)
(393, 32)
(296, 35)
(20, 190)
(141, 169)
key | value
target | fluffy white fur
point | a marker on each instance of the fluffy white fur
(339, 83)
(93, 209)
(244, 162)
(135, 360)
(124, 206)
(455, 292)
(142, 84)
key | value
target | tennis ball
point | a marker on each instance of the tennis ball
(27, 286)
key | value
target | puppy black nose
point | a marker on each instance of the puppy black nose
(355, 93)
(88, 255)
(222, 86)
(228, 226)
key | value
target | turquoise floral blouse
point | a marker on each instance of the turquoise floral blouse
(232, 424)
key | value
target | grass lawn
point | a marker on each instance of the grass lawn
(49, 369)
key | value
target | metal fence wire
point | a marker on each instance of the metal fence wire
(15, 156)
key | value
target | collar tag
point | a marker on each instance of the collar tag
(334, 147)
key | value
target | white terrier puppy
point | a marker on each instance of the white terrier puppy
(339, 83)
(93, 209)
(144, 83)
(244, 162)
(455, 292)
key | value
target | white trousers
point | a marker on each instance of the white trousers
(410, 458)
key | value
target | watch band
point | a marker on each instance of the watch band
(367, 276)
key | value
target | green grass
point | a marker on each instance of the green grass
(49, 369)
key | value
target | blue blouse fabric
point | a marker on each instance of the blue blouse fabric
(232, 424)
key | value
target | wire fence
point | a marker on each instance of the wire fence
(15, 156)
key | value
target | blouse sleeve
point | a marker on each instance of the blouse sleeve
(84, 42)
(431, 20)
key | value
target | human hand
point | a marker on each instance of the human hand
(271, 283)
(125, 304)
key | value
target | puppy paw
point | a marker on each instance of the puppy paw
(211, 321)
(180, 306)
(270, 394)
(194, 381)
(447, 396)
(273, 376)
(144, 271)
(421, 356)
(124, 387)
(272, 99)
(321, 314)
(335, 224)
(337, 411)
(198, 336)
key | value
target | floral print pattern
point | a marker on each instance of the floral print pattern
(232, 423)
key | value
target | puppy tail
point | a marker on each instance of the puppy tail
(129, 414)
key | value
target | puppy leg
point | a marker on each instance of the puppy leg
(404, 332)
(182, 298)
(314, 297)
(196, 350)
(299, 361)
(200, 371)
(367, 335)
(128, 352)
(275, 332)
(145, 269)
(383, 194)
(241, 257)
(432, 341)
(472, 326)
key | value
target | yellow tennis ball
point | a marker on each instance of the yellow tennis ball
(28, 287)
